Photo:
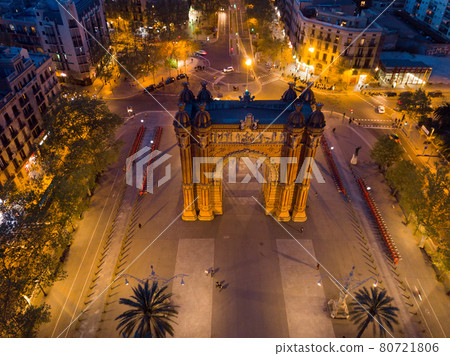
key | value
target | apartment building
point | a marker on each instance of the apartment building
(319, 33)
(70, 30)
(28, 86)
(434, 13)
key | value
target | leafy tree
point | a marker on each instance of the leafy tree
(153, 57)
(80, 146)
(183, 49)
(105, 69)
(173, 14)
(27, 261)
(197, 32)
(435, 214)
(150, 313)
(386, 152)
(415, 104)
(404, 175)
(119, 8)
(262, 10)
(441, 123)
(374, 307)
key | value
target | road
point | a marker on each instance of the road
(262, 266)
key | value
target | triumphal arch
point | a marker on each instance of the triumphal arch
(283, 134)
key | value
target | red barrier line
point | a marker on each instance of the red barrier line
(380, 222)
(136, 141)
(336, 177)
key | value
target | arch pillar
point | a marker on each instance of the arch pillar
(292, 152)
(312, 137)
(184, 143)
(203, 188)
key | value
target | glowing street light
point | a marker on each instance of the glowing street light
(311, 49)
(248, 63)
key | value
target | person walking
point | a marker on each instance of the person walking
(334, 129)
(140, 226)
(318, 266)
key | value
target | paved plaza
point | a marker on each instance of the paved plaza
(268, 269)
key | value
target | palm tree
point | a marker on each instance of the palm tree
(373, 307)
(442, 115)
(150, 314)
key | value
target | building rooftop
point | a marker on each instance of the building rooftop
(265, 111)
(392, 63)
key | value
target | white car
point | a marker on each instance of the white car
(380, 109)
(228, 69)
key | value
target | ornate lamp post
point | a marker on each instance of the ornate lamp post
(154, 277)
(338, 308)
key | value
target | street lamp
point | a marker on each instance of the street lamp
(311, 49)
(153, 277)
(338, 307)
(248, 63)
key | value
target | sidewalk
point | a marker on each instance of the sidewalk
(414, 269)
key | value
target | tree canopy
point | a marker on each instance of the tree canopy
(386, 152)
(37, 217)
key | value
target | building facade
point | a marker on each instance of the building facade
(71, 33)
(320, 34)
(434, 13)
(28, 87)
(404, 72)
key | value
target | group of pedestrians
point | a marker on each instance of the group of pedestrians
(211, 272)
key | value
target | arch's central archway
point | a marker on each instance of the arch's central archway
(213, 133)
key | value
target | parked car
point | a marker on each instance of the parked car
(201, 52)
(435, 94)
(170, 80)
(394, 137)
(181, 76)
(228, 69)
(381, 109)
(160, 85)
(151, 87)
(390, 93)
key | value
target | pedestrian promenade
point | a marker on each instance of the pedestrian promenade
(306, 305)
